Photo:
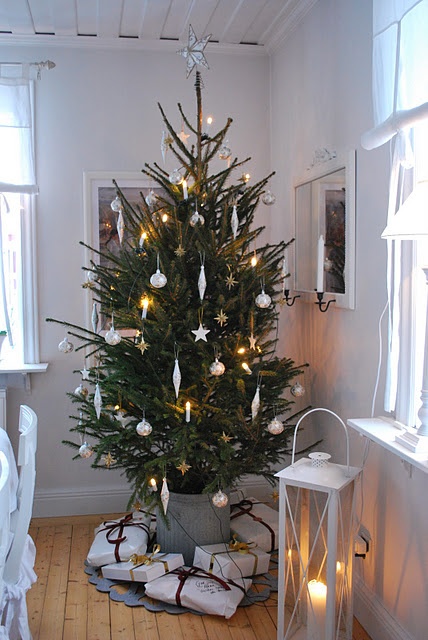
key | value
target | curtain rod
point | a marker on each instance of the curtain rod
(47, 64)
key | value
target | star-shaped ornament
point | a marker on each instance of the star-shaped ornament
(221, 318)
(85, 373)
(230, 281)
(137, 505)
(282, 302)
(183, 467)
(194, 52)
(122, 417)
(180, 251)
(200, 333)
(225, 438)
(108, 460)
(183, 136)
(143, 345)
(252, 341)
(275, 496)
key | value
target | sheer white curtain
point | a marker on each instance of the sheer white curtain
(17, 172)
(400, 104)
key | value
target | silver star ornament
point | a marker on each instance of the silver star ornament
(194, 52)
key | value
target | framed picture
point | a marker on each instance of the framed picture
(332, 217)
(100, 221)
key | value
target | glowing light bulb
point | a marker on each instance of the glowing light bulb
(165, 217)
(145, 305)
(185, 194)
(246, 368)
(153, 484)
(210, 120)
(143, 237)
(254, 260)
(241, 350)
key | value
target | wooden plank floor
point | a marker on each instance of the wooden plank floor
(62, 605)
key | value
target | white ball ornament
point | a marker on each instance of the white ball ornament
(81, 391)
(224, 152)
(86, 451)
(297, 390)
(268, 198)
(65, 346)
(220, 499)
(175, 177)
(112, 337)
(275, 427)
(151, 198)
(116, 205)
(263, 300)
(144, 428)
(196, 219)
(158, 279)
(217, 368)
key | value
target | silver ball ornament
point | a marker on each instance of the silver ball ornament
(217, 368)
(112, 337)
(196, 219)
(275, 427)
(158, 280)
(116, 205)
(151, 198)
(268, 198)
(297, 390)
(86, 450)
(263, 300)
(175, 177)
(65, 346)
(224, 152)
(81, 391)
(220, 499)
(144, 428)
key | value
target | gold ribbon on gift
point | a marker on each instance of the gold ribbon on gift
(145, 559)
(241, 547)
(238, 547)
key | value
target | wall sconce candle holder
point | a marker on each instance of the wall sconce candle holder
(288, 300)
(322, 305)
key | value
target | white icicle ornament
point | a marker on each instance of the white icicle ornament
(164, 494)
(255, 405)
(95, 317)
(234, 222)
(176, 377)
(202, 282)
(120, 226)
(97, 400)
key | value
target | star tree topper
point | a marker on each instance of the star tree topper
(194, 52)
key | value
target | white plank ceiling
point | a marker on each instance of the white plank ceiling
(233, 24)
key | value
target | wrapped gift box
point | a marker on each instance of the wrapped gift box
(117, 541)
(221, 560)
(253, 521)
(145, 570)
(200, 591)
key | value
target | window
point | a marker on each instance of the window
(18, 314)
(400, 100)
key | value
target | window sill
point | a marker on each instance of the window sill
(11, 373)
(383, 431)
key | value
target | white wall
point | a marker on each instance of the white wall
(321, 97)
(97, 110)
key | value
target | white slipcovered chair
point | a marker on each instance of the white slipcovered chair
(19, 567)
(4, 526)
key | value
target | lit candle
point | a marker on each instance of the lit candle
(187, 411)
(246, 367)
(145, 307)
(142, 238)
(153, 484)
(185, 194)
(317, 599)
(210, 120)
(320, 265)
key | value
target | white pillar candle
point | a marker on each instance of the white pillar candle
(285, 263)
(187, 411)
(317, 599)
(185, 194)
(145, 307)
(320, 265)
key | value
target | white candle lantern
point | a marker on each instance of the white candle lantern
(316, 545)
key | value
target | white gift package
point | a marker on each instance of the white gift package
(117, 541)
(145, 570)
(253, 521)
(198, 590)
(221, 560)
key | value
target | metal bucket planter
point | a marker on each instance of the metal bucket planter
(192, 520)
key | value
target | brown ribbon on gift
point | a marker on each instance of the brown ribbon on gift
(111, 526)
(183, 574)
(245, 507)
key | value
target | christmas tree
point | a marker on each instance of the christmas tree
(197, 394)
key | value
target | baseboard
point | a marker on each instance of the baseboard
(82, 502)
(372, 615)
(114, 499)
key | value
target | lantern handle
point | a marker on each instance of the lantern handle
(341, 422)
